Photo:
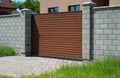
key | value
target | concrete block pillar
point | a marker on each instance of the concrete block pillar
(26, 13)
(87, 27)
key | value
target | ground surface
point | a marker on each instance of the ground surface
(21, 65)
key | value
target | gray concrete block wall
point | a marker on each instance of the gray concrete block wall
(13, 32)
(86, 26)
(108, 20)
(105, 33)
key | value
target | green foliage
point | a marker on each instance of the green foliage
(34, 5)
(107, 68)
(6, 51)
(4, 76)
(17, 4)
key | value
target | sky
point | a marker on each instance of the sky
(19, 0)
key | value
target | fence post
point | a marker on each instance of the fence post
(27, 22)
(87, 47)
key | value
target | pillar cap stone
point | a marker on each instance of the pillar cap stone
(25, 9)
(89, 4)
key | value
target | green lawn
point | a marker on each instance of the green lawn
(107, 68)
(4, 76)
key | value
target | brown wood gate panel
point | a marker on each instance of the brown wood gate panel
(57, 35)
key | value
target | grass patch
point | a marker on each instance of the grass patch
(4, 76)
(6, 51)
(107, 68)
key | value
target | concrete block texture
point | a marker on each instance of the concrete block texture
(110, 37)
(103, 37)
(99, 42)
(103, 47)
(107, 35)
(104, 27)
(99, 31)
(86, 26)
(13, 31)
(108, 31)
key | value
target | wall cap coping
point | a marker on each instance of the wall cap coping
(88, 4)
(25, 9)
(12, 15)
(107, 7)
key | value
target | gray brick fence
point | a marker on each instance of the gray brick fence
(101, 31)
(15, 31)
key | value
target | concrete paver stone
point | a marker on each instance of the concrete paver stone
(20, 65)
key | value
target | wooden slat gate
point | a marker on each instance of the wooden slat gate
(57, 35)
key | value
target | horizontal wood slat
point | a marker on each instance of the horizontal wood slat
(57, 35)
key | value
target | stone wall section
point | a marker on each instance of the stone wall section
(106, 31)
(15, 31)
(86, 30)
(101, 31)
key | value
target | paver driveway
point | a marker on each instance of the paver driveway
(21, 65)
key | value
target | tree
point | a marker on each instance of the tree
(17, 4)
(30, 4)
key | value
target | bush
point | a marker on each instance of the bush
(6, 51)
